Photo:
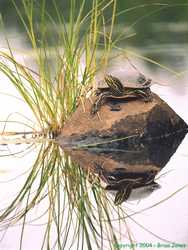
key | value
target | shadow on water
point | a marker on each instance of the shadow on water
(122, 170)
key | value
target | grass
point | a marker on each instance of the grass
(52, 95)
(70, 198)
(79, 211)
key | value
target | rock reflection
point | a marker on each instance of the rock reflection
(129, 168)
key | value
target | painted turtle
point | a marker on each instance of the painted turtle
(113, 88)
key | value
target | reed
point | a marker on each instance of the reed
(52, 93)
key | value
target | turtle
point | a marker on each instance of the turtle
(124, 186)
(112, 88)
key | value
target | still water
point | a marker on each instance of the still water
(166, 42)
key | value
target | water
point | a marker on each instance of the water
(164, 39)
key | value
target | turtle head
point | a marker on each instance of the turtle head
(144, 81)
(114, 84)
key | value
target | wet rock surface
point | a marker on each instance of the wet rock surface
(133, 125)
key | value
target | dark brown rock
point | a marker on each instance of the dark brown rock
(136, 122)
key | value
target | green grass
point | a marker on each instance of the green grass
(53, 94)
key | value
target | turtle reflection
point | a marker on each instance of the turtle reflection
(124, 182)
(127, 169)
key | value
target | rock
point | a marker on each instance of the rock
(130, 145)
(134, 124)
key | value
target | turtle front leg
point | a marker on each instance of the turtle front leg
(123, 194)
(98, 103)
(148, 96)
(145, 94)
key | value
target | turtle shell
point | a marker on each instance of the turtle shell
(136, 81)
